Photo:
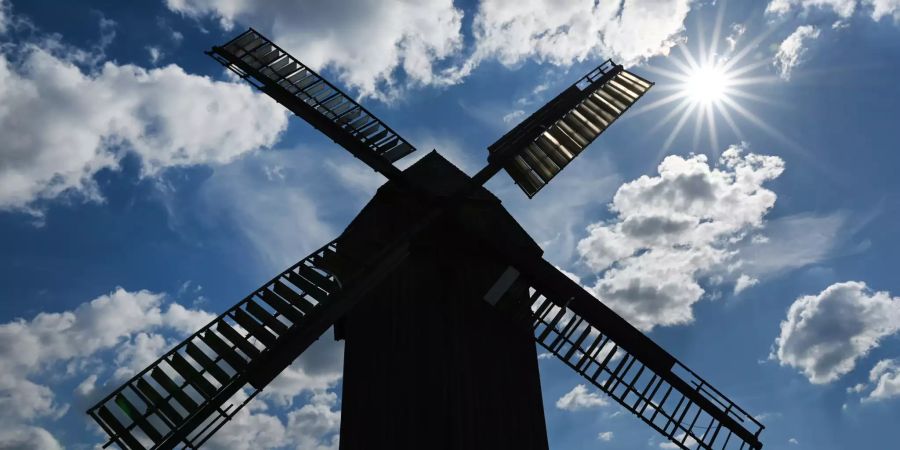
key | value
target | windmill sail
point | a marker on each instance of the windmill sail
(538, 148)
(301, 90)
(191, 391)
(625, 364)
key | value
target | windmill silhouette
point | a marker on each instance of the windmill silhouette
(438, 293)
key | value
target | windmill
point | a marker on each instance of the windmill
(438, 293)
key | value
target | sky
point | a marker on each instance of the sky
(743, 213)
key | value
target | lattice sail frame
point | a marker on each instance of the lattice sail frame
(267, 66)
(549, 139)
(191, 391)
(625, 364)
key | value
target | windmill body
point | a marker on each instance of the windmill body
(439, 294)
(428, 362)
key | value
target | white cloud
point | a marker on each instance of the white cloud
(886, 377)
(792, 50)
(138, 352)
(514, 117)
(92, 116)
(319, 368)
(358, 177)
(579, 399)
(31, 349)
(737, 32)
(425, 39)
(689, 442)
(281, 218)
(564, 33)
(605, 436)
(673, 229)
(744, 282)
(366, 41)
(155, 54)
(884, 8)
(314, 426)
(28, 438)
(87, 387)
(250, 429)
(793, 441)
(118, 333)
(843, 8)
(793, 241)
(825, 334)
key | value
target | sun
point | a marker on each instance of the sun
(713, 82)
(706, 84)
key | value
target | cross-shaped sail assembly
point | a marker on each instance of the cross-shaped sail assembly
(195, 388)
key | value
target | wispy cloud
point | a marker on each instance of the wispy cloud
(793, 49)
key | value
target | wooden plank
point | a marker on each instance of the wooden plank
(189, 373)
(284, 308)
(173, 389)
(123, 436)
(293, 297)
(159, 402)
(128, 408)
(267, 319)
(237, 339)
(207, 363)
(258, 331)
(227, 353)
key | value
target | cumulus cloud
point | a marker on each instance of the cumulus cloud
(792, 50)
(28, 438)
(672, 229)
(579, 399)
(314, 426)
(825, 334)
(605, 436)
(91, 117)
(886, 377)
(425, 39)
(563, 33)
(884, 8)
(843, 8)
(116, 334)
(366, 41)
(31, 348)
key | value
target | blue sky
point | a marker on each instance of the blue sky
(143, 191)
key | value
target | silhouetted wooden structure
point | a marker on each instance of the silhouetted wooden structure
(438, 292)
